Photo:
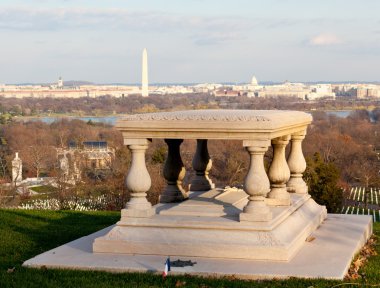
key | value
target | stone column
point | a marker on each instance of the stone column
(256, 184)
(202, 165)
(137, 181)
(174, 172)
(279, 173)
(297, 165)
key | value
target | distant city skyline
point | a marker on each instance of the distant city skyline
(77, 83)
(195, 41)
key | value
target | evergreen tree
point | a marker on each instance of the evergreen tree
(322, 179)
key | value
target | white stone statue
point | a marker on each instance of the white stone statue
(16, 170)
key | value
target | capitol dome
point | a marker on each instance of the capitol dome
(254, 81)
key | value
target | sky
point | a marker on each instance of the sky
(189, 41)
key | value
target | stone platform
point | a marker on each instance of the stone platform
(326, 254)
(208, 225)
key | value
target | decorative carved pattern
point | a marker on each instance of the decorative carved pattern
(200, 115)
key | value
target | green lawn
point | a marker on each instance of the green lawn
(43, 189)
(24, 234)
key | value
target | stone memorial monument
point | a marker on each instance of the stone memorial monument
(270, 228)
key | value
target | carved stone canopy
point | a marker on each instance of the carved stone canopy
(213, 124)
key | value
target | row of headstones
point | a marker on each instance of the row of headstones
(358, 194)
(362, 211)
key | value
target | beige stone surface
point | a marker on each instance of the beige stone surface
(327, 256)
(138, 183)
(297, 165)
(214, 124)
(137, 213)
(214, 215)
(279, 172)
(256, 185)
(205, 226)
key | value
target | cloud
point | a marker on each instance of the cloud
(202, 30)
(325, 39)
(32, 18)
(59, 18)
(216, 38)
(42, 19)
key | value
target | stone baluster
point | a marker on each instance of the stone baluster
(297, 165)
(202, 165)
(138, 181)
(279, 173)
(174, 172)
(256, 184)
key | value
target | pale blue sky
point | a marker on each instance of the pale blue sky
(189, 41)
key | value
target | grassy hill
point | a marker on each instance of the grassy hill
(24, 234)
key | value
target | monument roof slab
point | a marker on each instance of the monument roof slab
(214, 124)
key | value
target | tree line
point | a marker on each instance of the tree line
(347, 149)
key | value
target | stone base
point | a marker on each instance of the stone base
(297, 185)
(278, 202)
(259, 214)
(137, 213)
(255, 217)
(278, 196)
(222, 238)
(211, 224)
(328, 255)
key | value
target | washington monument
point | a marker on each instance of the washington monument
(144, 81)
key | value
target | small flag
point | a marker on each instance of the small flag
(167, 268)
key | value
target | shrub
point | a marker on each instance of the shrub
(322, 179)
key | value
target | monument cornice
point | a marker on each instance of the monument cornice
(214, 124)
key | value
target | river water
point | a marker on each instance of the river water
(111, 120)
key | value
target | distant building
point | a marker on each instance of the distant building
(60, 83)
(288, 89)
(320, 91)
(38, 91)
(368, 92)
(206, 87)
(227, 93)
(254, 81)
(360, 90)
(93, 157)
